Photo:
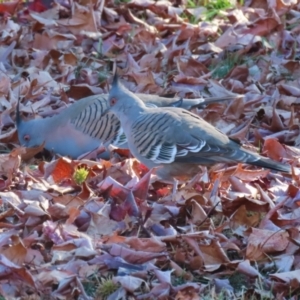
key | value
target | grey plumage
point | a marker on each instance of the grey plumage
(81, 128)
(64, 133)
(173, 137)
(183, 102)
(90, 122)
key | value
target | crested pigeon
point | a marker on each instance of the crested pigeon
(79, 128)
(174, 139)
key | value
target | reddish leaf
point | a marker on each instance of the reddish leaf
(64, 169)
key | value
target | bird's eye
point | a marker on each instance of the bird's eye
(26, 138)
(113, 101)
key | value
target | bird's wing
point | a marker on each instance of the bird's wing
(89, 119)
(164, 136)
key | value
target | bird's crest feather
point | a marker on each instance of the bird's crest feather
(18, 115)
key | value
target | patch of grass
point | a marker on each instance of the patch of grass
(100, 48)
(130, 36)
(90, 285)
(218, 4)
(78, 68)
(118, 2)
(264, 291)
(92, 64)
(192, 4)
(213, 295)
(201, 279)
(192, 19)
(103, 76)
(178, 280)
(214, 7)
(293, 25)
(223, 67)
(239, 281)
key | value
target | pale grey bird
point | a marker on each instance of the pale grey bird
(176, 139)
(79, 128)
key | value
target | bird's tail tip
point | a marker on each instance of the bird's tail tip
(273, 165)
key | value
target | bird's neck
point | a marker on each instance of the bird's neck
(47, 125)
(129, 114)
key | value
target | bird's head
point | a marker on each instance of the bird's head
(29, 132)
(121, 100)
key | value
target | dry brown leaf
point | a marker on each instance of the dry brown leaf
(10, 163)
(274, 149)
(82, 20)
(249, 175)
(264, 242)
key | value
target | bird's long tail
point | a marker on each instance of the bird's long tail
(239, 156)
(270, 164)
(246, 156)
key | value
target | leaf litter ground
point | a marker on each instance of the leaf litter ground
(86, 229)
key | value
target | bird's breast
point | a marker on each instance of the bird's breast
(68, 141)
